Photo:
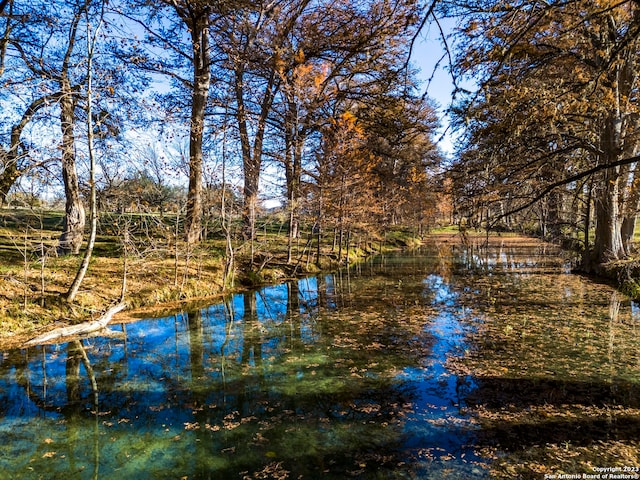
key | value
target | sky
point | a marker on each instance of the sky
(426, 53)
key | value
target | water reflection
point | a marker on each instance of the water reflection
(358, 374)
(324, 377)
(555, 366)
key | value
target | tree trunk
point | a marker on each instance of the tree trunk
(608, 235)
(74, 219)
(252, 156)
(319, 227)
(288, 172)
(608, 243)
(586, 255)
(9, 174)
(250, 168)
(294, 140)
(290, 236)
(250, 192)
(631, 214)
(58, 334)
(627, 230)
(93, 203)
(632, 205)
(229, 264)
(199, 27)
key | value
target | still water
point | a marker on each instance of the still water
(383, 371)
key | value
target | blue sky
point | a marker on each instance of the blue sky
(426, 53)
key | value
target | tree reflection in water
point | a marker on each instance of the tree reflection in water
(383, 372)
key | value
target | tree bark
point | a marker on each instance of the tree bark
(294, 142)
(74, 219)
(10, 173)
(608, 235)
(632, 206)
(252, 154)
(608, 243)
(199, 26)
(250, 164)
(93, 202)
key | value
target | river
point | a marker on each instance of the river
(455, 362)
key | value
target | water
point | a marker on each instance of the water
(377, 372)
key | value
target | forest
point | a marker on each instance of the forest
(186, 129)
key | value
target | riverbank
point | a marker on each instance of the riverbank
(158, 273)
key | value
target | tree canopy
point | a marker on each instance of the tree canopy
(224, 92)
(322, 97)
(557, 98)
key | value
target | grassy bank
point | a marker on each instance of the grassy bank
(146, 255)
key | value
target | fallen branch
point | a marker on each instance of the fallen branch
(75, 330)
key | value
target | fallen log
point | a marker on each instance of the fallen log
(75, 330)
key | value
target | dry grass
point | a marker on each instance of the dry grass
(27, 309)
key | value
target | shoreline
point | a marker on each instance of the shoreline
(154, 302)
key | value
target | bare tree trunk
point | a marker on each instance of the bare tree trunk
(74, 219)
(76, 330)
(229, 264)
(290, 235)
(199, 26)
(84, 266)
(608, 236)
(608, 243)
(586, 256)
(8, 176)
(73, 229)
(252, 156)
(125, 262)
(319, 228)
(632, 206)
(294, 140)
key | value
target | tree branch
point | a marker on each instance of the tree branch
(565, 181)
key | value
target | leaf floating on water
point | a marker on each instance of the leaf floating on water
(272, 471)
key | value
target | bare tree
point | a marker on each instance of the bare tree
(84, 266)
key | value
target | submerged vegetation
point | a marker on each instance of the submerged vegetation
(316, 378)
